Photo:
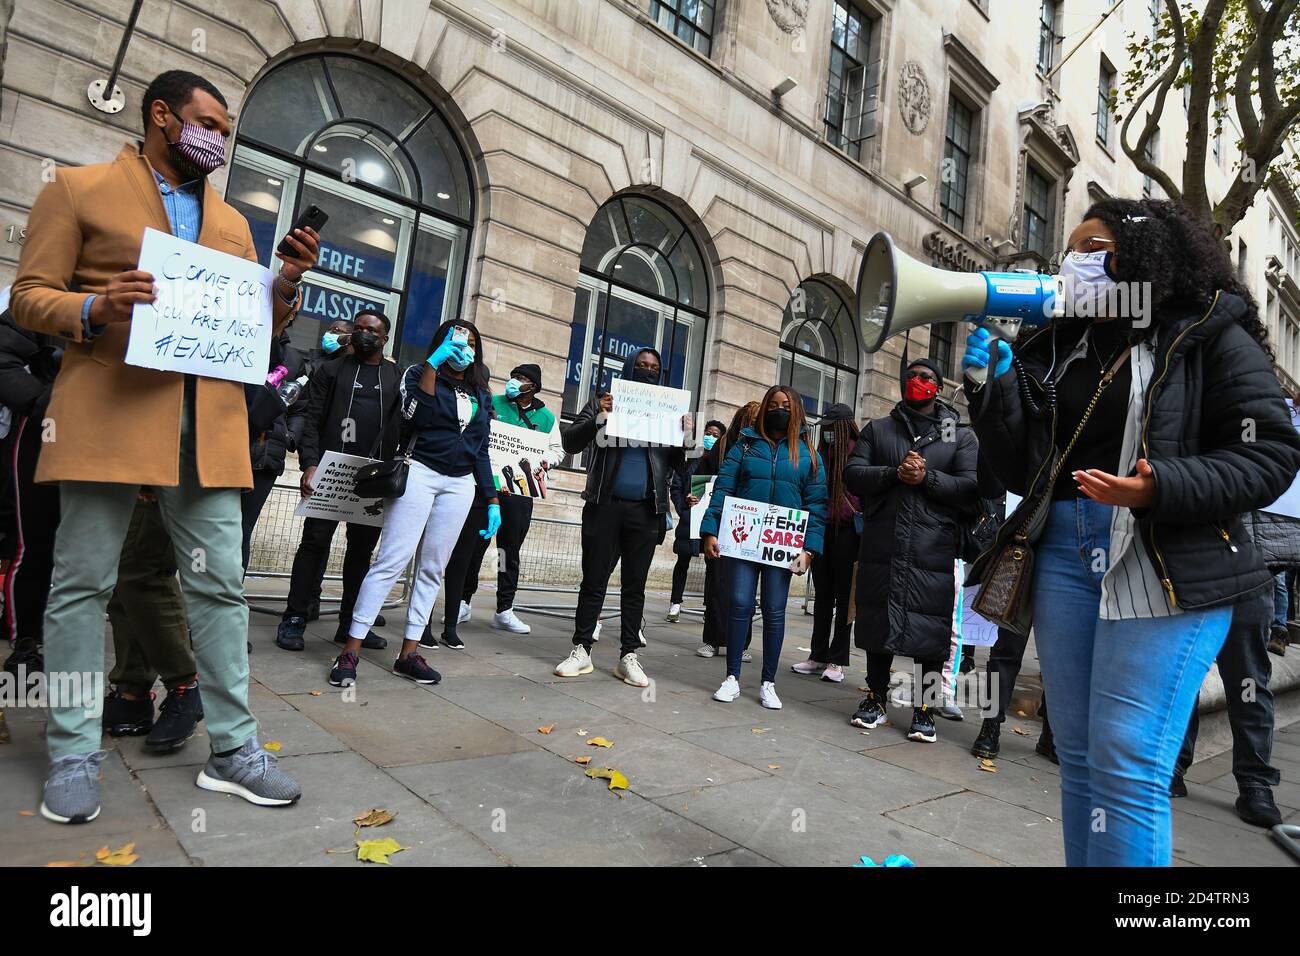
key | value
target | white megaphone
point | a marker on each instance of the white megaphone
(897, 293)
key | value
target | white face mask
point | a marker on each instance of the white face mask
(1088, 288)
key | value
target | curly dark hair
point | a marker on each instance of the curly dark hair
(1163, 243)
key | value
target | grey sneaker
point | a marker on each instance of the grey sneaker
(250, 772)
(72, 790)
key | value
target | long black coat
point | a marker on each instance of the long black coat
(906, 585)
(1216, 431)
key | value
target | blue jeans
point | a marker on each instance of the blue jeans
(745, 577)
(1122, 694)
(1281, 599)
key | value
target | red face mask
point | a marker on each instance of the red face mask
(919, 389)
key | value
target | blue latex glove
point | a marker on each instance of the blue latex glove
(494, 521)
(977, 352)
(448, 350)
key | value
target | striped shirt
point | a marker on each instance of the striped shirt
(1131, 587)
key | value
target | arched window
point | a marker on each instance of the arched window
(819, 348)
(373, 152)
(642, 283)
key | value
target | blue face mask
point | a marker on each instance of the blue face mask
(513, 388)
(460, 366)
(709, 441)
(330, 342)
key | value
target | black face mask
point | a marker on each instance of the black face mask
(776, 420)
(645, 376)
(365, 343)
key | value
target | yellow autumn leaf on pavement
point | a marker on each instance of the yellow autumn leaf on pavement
(124, 855)
(272, 745)
(616, 780)
(315, 693)
(546, 730)
(599, 742)
(582, 760)
(1020, 730)
(27, 813)
(378, 851)
(372, 818)
(70, 863)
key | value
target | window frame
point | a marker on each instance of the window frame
(1047, 215)
(1106, 79)
(868, 90)
(673, 8)
(788, 353)
(973, 116)
(1048, 29)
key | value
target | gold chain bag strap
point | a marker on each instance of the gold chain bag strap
(1004, 597)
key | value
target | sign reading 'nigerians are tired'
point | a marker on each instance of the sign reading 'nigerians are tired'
(212, 316)
(761, 532)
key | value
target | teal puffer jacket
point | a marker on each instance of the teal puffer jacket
(756, 470)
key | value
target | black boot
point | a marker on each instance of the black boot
(127, 718)
(986, 744)
(372, 640)
(1046, 745)
(27, 656)
(179, 715)
(289, 635)
(1256, 807)
(1177, 786)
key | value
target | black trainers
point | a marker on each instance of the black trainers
(344, 671)
(869, 714)
(1046, 747)
(372, 641)
(922, 728)
(180, 713)
(289, 635)
(127, 718)
(452, 639)
(986, 744)
(1255, 806)
(413, 667)
(1178, 786)
(25, 661)
(427, 640)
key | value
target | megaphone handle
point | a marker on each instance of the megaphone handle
(977, 376)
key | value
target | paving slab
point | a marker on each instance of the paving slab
(1013, 783)
(540, 809)
(989, 826)
(223, 830)
(517, 703)
(1208, 843)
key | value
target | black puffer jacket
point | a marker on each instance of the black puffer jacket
(1277, 537)
(1216, 431)
(587, 431)
(906, 584)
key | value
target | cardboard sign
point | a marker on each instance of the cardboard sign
(516, 454)
(760, 532)
(1289, 504)
(332, 497)
(649, 414)
(702, 488)
(212, 316)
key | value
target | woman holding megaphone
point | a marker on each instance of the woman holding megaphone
(1137, 428)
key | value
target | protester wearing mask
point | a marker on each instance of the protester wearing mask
(915, 472)
(447, 406)
(335, 342)
(684, 546)
(717, 581)
(623, 519)
(832, 569)
(774, 463)
(520, 407)
(1154, 480)
(352, 408)
(122, 426)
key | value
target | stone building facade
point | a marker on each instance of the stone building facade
(583, 177)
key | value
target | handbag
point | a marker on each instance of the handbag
(385, 479)
(1004, 597)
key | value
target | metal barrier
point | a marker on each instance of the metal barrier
(275, 541)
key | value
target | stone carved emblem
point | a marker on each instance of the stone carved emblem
(914, 97)
(790, 15)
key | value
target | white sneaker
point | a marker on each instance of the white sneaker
(833, 673)
(706, 650)
(507, 620)
(809, 667)
(464, 613)
(729, 690)
(747, 657)
(630, 672)
(767, 696)
(576, 664)
(674, 613)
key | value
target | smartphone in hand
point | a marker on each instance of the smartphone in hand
(312, 217)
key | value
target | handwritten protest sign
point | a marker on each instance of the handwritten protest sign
(702, 488)
(212, 316)
(1289, 504)
(760, 532)
(332, 497)
(516, 454)
(648, 413)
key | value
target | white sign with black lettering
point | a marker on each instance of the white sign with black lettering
(649, 414)
(332, 496)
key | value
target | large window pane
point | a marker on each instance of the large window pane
(359, 241)
(377, 95)
(259, 193)
(435, 268)
(288, 106)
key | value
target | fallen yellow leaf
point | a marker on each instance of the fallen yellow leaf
(123, 856)
(101, 853)
(272, 745)
(373, 818)
(582, 760)
(599, 742)
(378, 851)
(27, 813)
(69, 863)
(988, 769)
(1021, 713)
(774, 766)
(1020, 730)
(546, 730)
(759, 730)
(315, 693)
(616, 780)
(986, 762)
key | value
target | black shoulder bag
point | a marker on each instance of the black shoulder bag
(386, 479)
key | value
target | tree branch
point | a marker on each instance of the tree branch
(1160, 87)
(1195, 193)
